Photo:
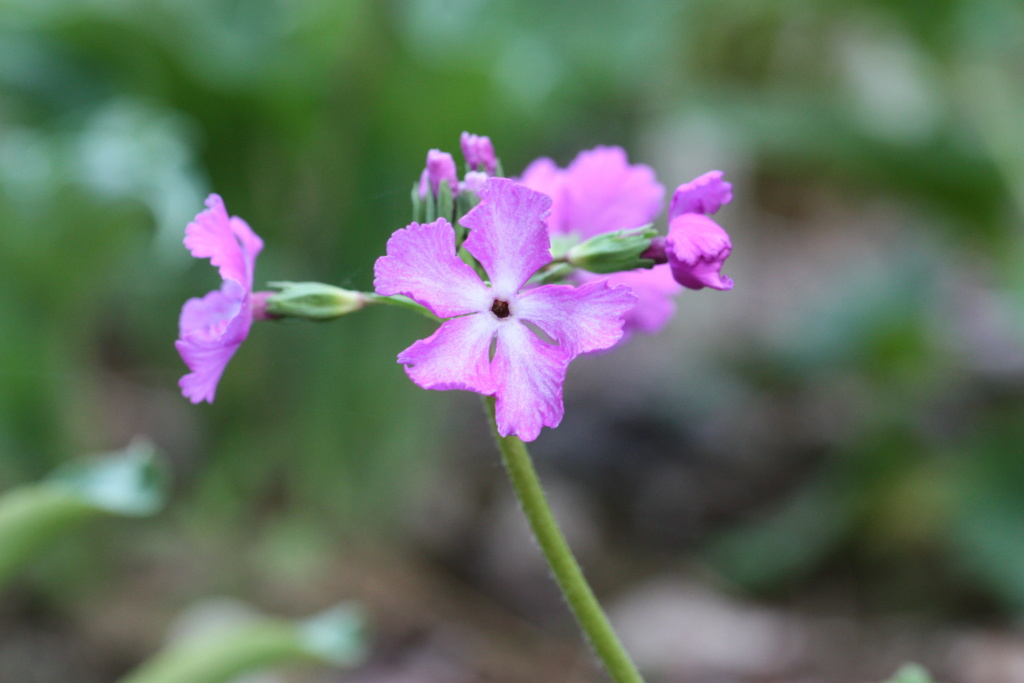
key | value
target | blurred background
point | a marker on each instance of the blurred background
(814, 477)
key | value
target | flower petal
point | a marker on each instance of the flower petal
(212, 329)
(529, 376)
(603, 192)
(211, 314)
(544, 175)
(421, 263)
(706, 195)
(227, 241)
(581, 319)
(456, 356)
(655, 289)
(697, 247)
(508, 234)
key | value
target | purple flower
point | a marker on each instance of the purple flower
(479, 153)
(510, 240)
(696, 246)
(212, 328)
(599, 192)
(440, 166)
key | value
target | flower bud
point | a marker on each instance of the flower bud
(612, 252)
(312, 301)
(440, 167)
(479, 153)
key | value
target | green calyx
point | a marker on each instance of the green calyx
(312, 301)
(612, 252)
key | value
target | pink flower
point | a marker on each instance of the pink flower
(599, 192)
(212, 328)
(696, 246)
(509, 238)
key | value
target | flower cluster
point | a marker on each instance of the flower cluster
(600, 192)
(509, 238)
(526, 274)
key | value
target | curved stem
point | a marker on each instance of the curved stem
(401, 302)
(568, 574)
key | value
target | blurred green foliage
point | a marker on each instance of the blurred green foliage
(312, 118)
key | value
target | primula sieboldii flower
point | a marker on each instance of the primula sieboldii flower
(212, 328)
(479, 153)
(696, 246)
(510, 240)
(599, 192)
(440, 166)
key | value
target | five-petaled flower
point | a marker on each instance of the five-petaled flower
(510, 240)
(212, 328)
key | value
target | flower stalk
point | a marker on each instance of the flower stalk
(584, 605)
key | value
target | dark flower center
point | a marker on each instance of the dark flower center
(500, 308)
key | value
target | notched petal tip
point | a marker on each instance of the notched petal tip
(705, 194)
(508, 233)
(422, 264)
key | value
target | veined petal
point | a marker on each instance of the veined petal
(421, 263)
(697, 247)
(544, 175)
(705, 194)
(508, 234)
(581, 319)
(456, 356)
(529, 376)
(212, 329)
(227, 241)
(603, 192)
(655, 291)
(213, 311)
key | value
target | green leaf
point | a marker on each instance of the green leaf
(130, 483)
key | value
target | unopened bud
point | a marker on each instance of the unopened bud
(312, 301)
(612, 252)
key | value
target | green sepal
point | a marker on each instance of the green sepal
(445, 201)
(612, 252)
(419, 210)
(312, 301)
(430, 208)
(465, 202)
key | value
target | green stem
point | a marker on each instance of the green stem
(401, 302)
(568, 574)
